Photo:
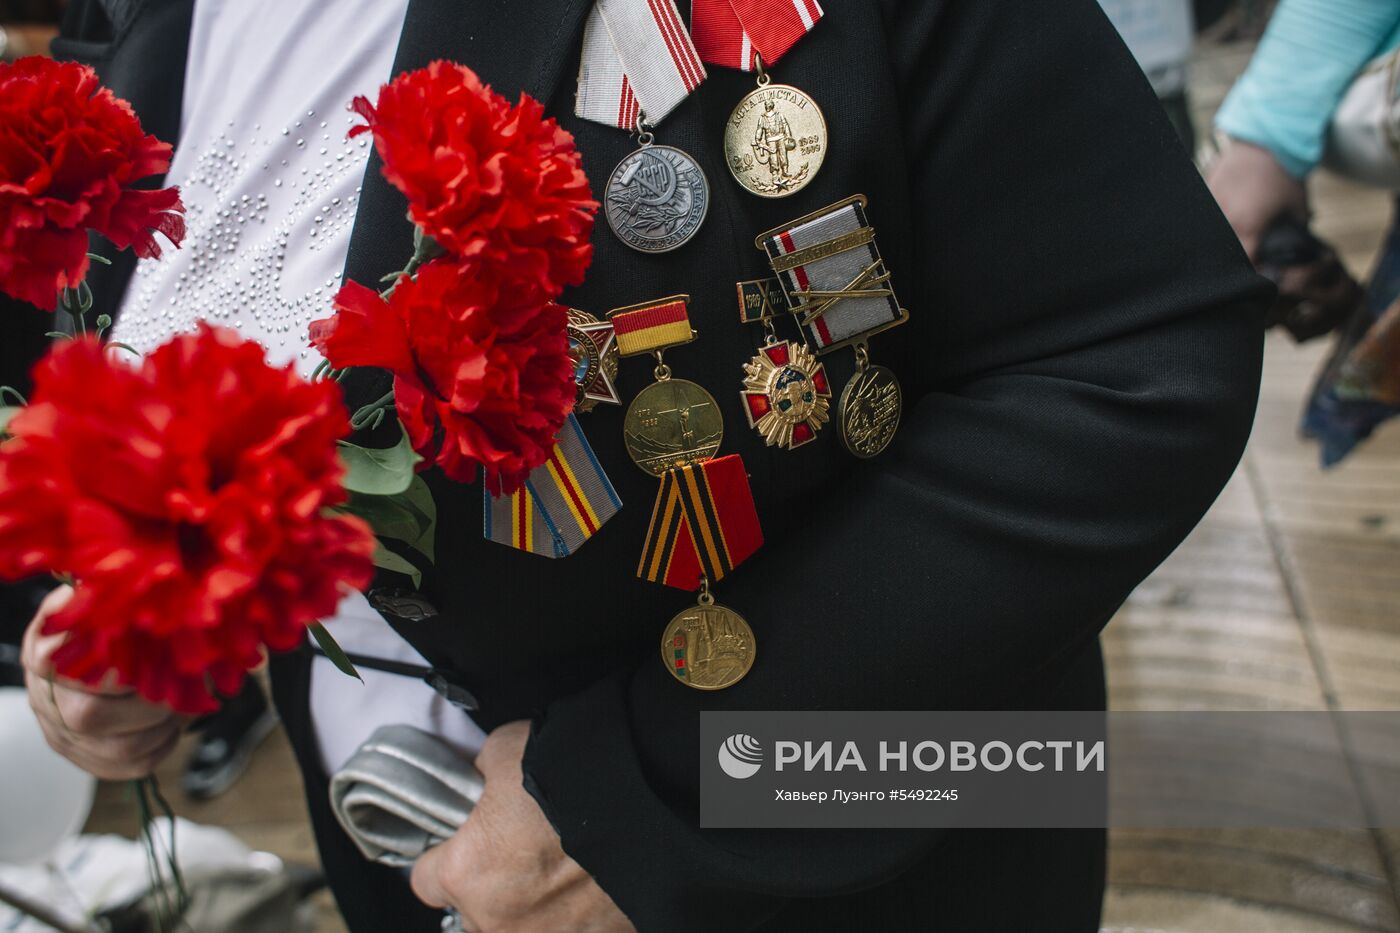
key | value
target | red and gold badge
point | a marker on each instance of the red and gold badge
(786, 395)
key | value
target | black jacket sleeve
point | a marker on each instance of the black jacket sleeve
(1092, 386)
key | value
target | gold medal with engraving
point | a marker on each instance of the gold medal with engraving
(870, 408)
(672, 422)
(708, 646)
(775, 140)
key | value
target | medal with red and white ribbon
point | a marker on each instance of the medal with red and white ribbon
(776, 139)
(638, 63)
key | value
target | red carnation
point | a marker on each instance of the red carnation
(188, 498)
(70, 152)
(482, 375)
(482, 176)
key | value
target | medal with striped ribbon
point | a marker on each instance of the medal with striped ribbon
(776, 138)
(672, 422)
(637, 64)
(704, 524)
(563, 503)
(837, 286)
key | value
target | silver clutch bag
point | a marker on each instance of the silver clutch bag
(403, 792)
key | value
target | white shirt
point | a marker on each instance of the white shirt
(271, 185)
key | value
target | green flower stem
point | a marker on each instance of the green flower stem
(372, 414)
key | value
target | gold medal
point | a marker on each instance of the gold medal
(593, 348)
(786, 394)
(672, 422)
(835, 283)
(708, 647)
(775, 140)
(870, 408)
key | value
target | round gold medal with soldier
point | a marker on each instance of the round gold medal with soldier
(775, 141)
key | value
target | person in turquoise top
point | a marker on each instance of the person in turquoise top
(1304, 64)
(1275, 121)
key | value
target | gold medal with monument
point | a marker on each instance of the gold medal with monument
(672, 422)
(775, 140)
(870, 408)
(708, 646)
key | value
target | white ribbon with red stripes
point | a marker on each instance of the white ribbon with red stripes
(637, 59)
(731, 33)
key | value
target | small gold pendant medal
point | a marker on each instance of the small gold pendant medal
(708, 646)
(870, 408)
(672, 422)
(775, 140)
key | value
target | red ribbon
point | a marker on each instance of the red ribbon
(731, 32)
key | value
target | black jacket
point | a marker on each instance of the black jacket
(1080, 374)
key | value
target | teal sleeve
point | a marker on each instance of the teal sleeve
(1308, 57)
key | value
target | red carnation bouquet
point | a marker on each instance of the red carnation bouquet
(71, 154)
(188, 499)
(469, 328)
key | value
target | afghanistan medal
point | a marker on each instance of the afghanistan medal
(593, 348)
(672, 422)
(835, 282)
(776, 138)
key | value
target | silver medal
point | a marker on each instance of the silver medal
(657, 198)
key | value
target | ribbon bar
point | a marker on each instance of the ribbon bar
(652, 325)
(833, 275)
(704, 524)
(563, 503)
(760, 300)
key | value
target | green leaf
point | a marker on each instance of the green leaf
(6, 413)
(410, 516)
(334, 651)
(379, 472)
(383, 557)
(419, 499)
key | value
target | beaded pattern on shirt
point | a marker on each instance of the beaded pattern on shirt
(231, 269)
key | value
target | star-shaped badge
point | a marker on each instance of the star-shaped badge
(593, 348)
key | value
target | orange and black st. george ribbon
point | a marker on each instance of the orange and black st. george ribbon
(704, 524)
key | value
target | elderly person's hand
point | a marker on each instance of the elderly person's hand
(504, 871)
(109, 732)
(1254, 190)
